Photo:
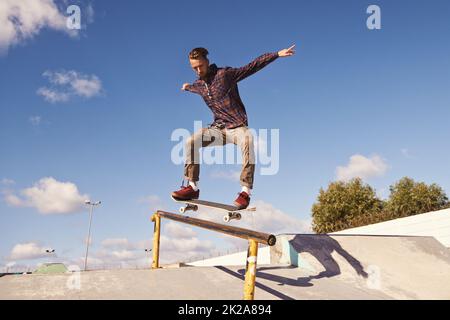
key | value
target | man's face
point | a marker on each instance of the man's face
(200, 66)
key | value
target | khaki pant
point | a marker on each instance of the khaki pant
(213, 136)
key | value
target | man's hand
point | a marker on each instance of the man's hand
(287, 52)
(185, 86)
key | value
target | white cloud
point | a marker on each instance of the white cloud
(153, 202)
(177, 231)
(124, 255)
(118, 255)
(120, 251)
(53, 96)
(182, 249)
(267, 218)
(21, 20)
(86, 86)
(49, 196)
(12, 199)
(232, 175)
(185, 245)
(118, 244)
(67, 84)
(28, 251)
(35, 120)
(362, 167)
(6, 181)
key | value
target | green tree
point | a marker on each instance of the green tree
(342, 204)
(409, 198)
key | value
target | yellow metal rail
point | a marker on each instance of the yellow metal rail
(253, 237)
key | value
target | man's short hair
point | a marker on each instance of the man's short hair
(198, 53)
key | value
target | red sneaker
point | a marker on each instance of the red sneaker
(186, 193)
(242, 201)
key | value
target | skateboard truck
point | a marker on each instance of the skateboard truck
(188, 207)
(232, 216)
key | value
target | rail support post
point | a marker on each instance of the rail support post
(156, 236)
(250, 271)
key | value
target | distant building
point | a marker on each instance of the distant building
(47, 268)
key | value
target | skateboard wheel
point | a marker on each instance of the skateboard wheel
(182, 209)
(238, 216)
(226, 218)
(195, 208)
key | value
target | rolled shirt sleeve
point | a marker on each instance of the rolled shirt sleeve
(241, 73)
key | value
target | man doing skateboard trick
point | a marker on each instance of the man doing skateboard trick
(218, 88)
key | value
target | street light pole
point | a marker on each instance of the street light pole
(91, 204)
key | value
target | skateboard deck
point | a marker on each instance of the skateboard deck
(233, 212)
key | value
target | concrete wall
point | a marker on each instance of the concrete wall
(402, 267)
(434, 224)
(234, 259)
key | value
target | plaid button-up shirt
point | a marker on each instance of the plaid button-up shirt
(220, 92)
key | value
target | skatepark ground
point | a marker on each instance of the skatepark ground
(301, 267)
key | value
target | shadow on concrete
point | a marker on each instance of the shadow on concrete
(258, 285)
(320, 247)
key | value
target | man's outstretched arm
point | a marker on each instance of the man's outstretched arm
(194, 88)
(239, 74)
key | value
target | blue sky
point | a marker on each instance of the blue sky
(379, 96)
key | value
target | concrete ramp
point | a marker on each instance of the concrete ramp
(396, 266)
(301, 267)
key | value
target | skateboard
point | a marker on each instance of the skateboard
(233, 212)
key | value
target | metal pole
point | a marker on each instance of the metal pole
(250, 272)
(156, 236)
(253, 237)
(89, 238)
(263, 238)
